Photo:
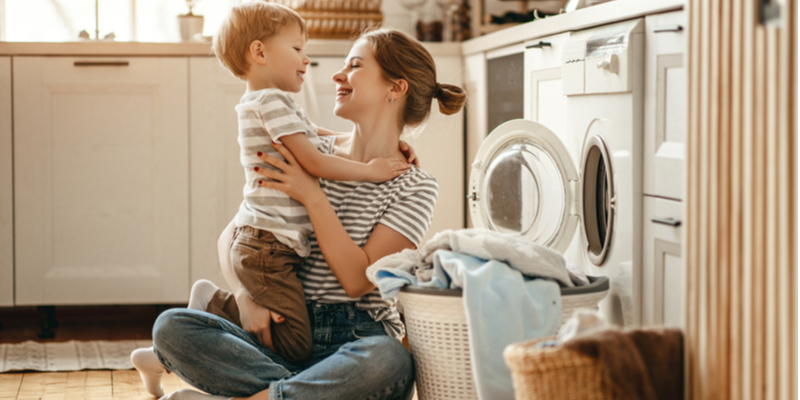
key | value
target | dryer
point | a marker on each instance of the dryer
(526, 181)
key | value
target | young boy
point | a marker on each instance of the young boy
(262, 43)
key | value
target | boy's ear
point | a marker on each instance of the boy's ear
(258, 52)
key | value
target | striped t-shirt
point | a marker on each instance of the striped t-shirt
(265, 116)
(404, 204)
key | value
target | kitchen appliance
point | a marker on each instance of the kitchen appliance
(524, 179)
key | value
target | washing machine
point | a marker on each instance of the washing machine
(526, 181)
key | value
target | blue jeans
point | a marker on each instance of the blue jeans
(352, 357)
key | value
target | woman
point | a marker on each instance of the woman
(388, 83)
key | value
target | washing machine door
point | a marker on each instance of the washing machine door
(598, 206)
(523, 181)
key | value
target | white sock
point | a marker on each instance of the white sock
(202, 292)
(189, 394)
(150, 369)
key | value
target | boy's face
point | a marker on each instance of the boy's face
(286, 61)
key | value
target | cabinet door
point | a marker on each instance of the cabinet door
(665, 105)
(440, 147)
(477, 110)
(6, 188)
(216, 176)
(100, 166)
(663, 279)
(544, 101)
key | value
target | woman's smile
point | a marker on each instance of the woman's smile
(341, 93)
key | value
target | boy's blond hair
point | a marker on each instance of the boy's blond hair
(248, 22)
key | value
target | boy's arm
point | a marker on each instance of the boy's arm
(325, 132)
(335, 168)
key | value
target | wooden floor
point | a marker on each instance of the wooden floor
(80, 323)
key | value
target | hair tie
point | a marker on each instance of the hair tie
(439, 91)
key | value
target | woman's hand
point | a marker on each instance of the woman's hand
(408, 151)
(292, 179)
(256, 319)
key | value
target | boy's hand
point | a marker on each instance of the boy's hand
(411, 156)
(384, 169)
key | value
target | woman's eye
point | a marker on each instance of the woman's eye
(354, 66)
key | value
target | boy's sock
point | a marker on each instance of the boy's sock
(150, 369)
(202, 292)
(189, 394)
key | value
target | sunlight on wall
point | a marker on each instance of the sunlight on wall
(62, 20)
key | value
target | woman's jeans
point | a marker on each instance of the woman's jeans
(352, 357)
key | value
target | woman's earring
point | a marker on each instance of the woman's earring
(389, 99)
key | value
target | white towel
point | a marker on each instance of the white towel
(529, 258)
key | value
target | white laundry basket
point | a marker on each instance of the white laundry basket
(436, 326)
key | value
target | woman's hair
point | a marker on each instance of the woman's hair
(248, 22)
(402, 57)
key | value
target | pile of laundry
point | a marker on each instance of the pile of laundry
(511, 292)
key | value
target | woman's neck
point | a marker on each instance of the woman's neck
(375, 138)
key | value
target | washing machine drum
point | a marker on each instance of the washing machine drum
(523, 181)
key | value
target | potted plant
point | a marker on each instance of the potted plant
(190, 24)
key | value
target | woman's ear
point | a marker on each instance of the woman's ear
(399, 88)
(258, 52)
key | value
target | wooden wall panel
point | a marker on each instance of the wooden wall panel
(741, 254)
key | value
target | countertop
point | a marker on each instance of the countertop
(613, 11)
(601, 14)
(314, 48)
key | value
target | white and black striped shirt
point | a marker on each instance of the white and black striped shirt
(404, 204)
(267, 115)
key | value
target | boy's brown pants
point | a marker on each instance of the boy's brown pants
(267, 270)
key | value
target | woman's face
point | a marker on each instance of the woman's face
(360, 87)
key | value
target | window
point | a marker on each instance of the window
(130, 20)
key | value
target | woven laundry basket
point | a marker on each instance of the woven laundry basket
(554, 373)
(436, 325)
(336, 19)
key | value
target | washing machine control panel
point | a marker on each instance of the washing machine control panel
(602, 60)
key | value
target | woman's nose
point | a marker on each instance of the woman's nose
(339, 76)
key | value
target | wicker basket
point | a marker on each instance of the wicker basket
(554, 373)
(439, 338)
(336, 19)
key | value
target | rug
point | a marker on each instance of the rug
(69, 356)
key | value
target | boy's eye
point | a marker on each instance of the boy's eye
(354, 66)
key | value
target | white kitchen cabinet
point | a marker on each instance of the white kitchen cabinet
(665, 105)
(101, 180)
(477, 109)
(440, 150)
(663, 279)
(544, 101)
(6, 188)
(216, 176)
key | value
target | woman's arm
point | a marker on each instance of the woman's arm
(255, 319)
(346, 259)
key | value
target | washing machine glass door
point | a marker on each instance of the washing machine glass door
(598, 205)
(522, 182)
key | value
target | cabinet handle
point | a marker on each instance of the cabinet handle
(101, 63)
(673, 28)
(314, 64)
(539, 45)
(667, 221)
